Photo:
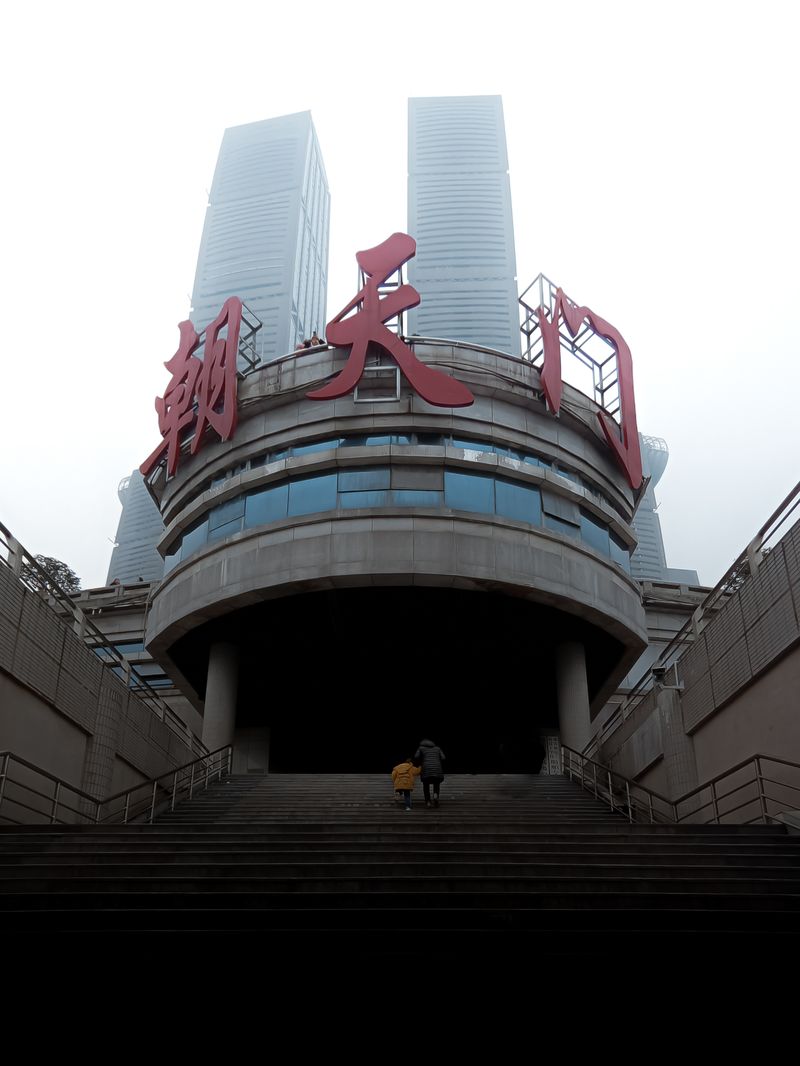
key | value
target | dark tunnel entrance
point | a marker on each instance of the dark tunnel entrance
(350, 680)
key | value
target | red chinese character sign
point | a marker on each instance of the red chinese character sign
(623, 438)
(367, 327)
(210, 383)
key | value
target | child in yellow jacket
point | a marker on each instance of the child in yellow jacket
(405, 776)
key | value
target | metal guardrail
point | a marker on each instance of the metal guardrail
(748, 786)
(752, 784)
(55, 802)
(742, 568)
(626, 797)
(21, 563)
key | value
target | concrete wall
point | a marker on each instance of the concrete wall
(62, 710)
(390, 546)
(741, 692)
(119, 612)
(763, 718)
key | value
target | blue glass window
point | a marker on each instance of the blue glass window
(317, 446)
(522, 502)
(376, 477)
(172, 558)
(364, 499)
(509, 453)
(472, 445)
(275, 457)
(557, 524)
(354, 441)
(417, 498)
(377, 442)
(312, 494)
(221, 532)
(130, 647)
(226, 512)
(194, 538)
(619, 551)
(594, 533)
(428, 440)
(269, 505)
(568, 475)
(469, 492)
(401, 438)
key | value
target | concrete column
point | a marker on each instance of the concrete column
(679, 758)
(573, 695)
(103, 745)
(219, 716)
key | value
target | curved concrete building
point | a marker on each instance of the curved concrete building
(345, 577)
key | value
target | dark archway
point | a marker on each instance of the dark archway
(350, 680)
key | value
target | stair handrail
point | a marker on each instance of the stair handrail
(16, 558)
(741, 569)
(186, 780)
(602, 784)
(759, 778)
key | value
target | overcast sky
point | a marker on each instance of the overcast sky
(653, 152)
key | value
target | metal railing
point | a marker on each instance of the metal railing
(626, 797)
(37, 580)
(742, 568)
(25, 787)
(748, 787)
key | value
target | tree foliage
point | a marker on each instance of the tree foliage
(57, 575)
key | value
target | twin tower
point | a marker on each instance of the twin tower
(266, 240)
(265, 237)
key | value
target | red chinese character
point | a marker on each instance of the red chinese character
(367, 327)
(210, 381)
(175, 410)
(627, 449)
(216, 386)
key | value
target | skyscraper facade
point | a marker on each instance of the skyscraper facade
(265, 237)
(649, 561)
(140, 527)
(459, 212)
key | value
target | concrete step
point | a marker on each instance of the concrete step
(447, 881)
(427, 850)
(314, 867)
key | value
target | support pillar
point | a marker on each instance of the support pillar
(573, 695)
(219, 715)
(679, 757)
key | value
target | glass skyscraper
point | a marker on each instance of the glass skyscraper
(265, 237)
(459, 212)
(649, 561)
(140, 527)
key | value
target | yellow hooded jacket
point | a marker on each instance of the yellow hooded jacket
(405, 776)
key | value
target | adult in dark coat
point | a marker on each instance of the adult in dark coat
(430, 758)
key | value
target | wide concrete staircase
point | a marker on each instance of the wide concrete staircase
(508, 866)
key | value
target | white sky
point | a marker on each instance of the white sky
(653, 152)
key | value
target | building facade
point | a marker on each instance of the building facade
(649, 561)
(265, 237)
(346, 576)
(135, 556)
(459, 212)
